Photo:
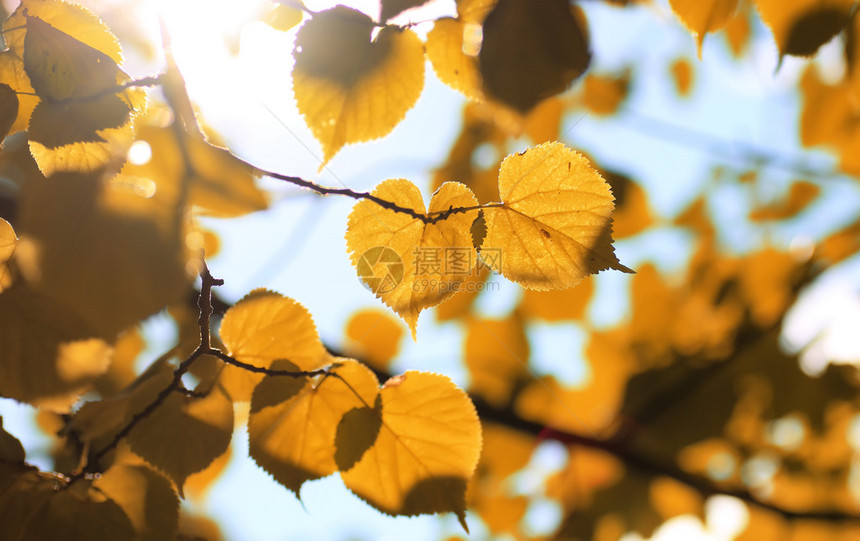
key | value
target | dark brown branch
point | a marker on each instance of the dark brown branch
(430, 218)
(647, 464)
(263, 370)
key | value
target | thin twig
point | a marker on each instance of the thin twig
(430, 218)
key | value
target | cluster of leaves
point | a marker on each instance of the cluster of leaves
(71, 294)
(106, 242)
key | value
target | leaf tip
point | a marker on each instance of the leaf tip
(461, 517)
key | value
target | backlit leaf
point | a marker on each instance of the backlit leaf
(496, 353)
(411, 265)
(82, 123)
(682, 76)
(198, 485)
(591, 407)
(800, 196)
(558, 305)
(374, 337)
(531, 50)
(445, 45)
(68, 18)
(222, 185)
(738, 31)
(97, 422)
(703, 16)
(283, 17)
(802, 26)
(146, 497)
(61, 67)
(474, 11)
(671, 498)
(122, 371)
(505, 450)
(8, 109)
(350, 88)
(632, 213)
(295, 425)
(500, 512)
(427, 448)
(604, 94)
(264, 327)
(219, 185)
(54, 125)
(12, 74)
(8, 242)
(75, 222)
(34, 509)
(553, 228)
(49, 356)
(185, 434)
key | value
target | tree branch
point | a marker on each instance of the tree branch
(429, 218)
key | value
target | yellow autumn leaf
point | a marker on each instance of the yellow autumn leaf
(8, 109)
(553, 227)
(122, 371)
(184, 434)
(799, 197)
(283, 17)
(703, 16)
(738, 30)
(146, 498)
(474, 11)
(505, 450)
(558, 305)
(409, 264)
(263, 327)
(98, 421)
(501, 512)
(543, 123)
(82, 122)
(374, 337)
(632, 213)
(75, 221)
(33, 508)
(428, 445)
(496, 352)
(49, 356)
(197, 485)
(445, 44)
(671, 498)
(682, 76)
(296, 427)
(62, 67)
(531, 51)
(219, 184)
(68, 18)
(12, 74)
(8, 242)
(603, 94)
(349, 87)
(800, 27)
